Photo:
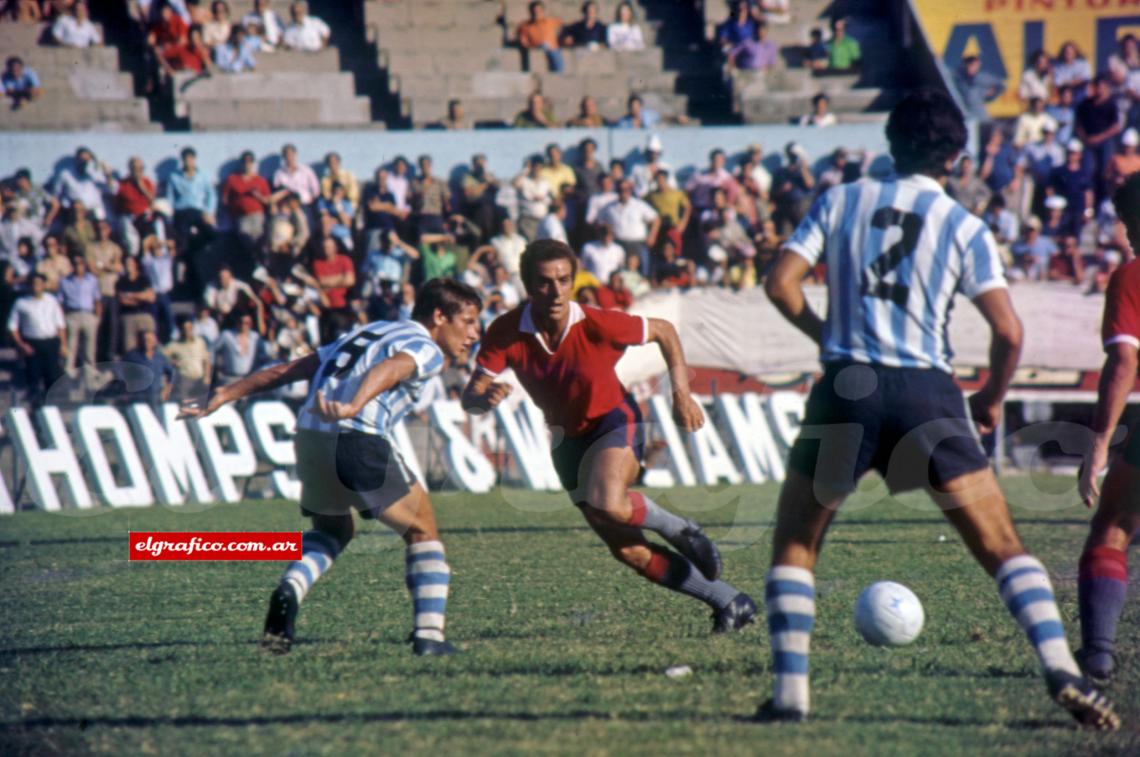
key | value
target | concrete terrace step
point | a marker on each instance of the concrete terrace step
(509, 59)
(57, 111)
(508, 84)
(42, 58)
(277, 113)
(287, 85)
(289, 60)
(89, 84)
(424, 111)
(782, 107)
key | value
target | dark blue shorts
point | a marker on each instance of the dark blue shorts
(909, 424)
(620, 427)
(349, 470)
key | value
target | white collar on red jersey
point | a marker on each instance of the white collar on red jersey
(526, 324)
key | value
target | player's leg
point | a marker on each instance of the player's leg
(320, 546)
(427, 574)
(1103, 584)
(605, 502)
(329, 506)
(789, 590)
(973, 502)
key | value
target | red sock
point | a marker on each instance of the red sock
(637, 501)
(1104, 562)
(658, 567)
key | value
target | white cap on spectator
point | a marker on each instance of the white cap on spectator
(1049, 124)
(1131, 138)
(1056, 202)
(1075, 146)
(1112, 257)
(654, 144)
(1034, 223)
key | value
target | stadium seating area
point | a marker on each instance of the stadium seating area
(83, 88)
(399, 63)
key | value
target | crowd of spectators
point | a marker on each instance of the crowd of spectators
(104, 267)
(1043, 181)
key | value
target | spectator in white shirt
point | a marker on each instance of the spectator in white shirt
(820, 115)
(38, 330)
(75, 29)
(307, 33)
(634, 222)
(400, 182)
(509, 246)
(551, 226)
(624, 34)
(644, 174)
(603, 256)
(296, 177)
(605, 197)
(15, 226)
(535, 197)
(265, 23)
(89, 182)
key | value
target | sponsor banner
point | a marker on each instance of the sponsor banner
(214, 545)
(100, 455)
(1004, 33)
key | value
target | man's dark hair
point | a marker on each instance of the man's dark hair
(23, 173)
(926, 131)
(544, 251)
(247, 155)
(590, 140)
(13, 61)
(445, 295)
(1126, 199)
(634, 98)
(821, 96)
(188, 151)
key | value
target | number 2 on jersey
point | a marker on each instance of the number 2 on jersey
(875, 283)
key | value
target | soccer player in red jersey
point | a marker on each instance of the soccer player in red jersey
(564, 356)
(1103, 583)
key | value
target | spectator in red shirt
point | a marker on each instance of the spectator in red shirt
(245, 195)
(192, 55)
(135, 195)
(336, 275)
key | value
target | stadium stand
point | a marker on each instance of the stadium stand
(82, 88)
(784, 94)
(289, 90)
(419, 43)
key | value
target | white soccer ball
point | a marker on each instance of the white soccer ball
(888, 614)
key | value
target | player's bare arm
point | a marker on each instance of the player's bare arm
(686, 411)
(273, 377)
(380, 379)
(483, 394)
(1005, 351)
(1116, 380)
(785, 288)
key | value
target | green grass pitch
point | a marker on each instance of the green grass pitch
(564, 651)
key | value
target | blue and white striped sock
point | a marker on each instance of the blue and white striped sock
(427, 577)
(789, 594)
(318, 550)
(1026, 591)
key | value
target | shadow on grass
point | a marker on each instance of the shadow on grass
(673, 716)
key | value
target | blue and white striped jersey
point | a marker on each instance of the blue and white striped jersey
(346, 362)
(897, 251)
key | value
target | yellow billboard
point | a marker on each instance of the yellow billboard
(1004, 33)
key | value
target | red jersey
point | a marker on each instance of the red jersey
(576, 384)
(341, 264)
(131, 199)
(238, 191)
(1122, 306)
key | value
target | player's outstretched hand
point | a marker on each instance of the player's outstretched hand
(334, 411)
(192, 409)
(985, 410)
(497, 393)
(1088, 476)
(687, 412)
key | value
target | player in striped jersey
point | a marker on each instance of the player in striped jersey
(360, 387)
(1103, 580)
(897, 252)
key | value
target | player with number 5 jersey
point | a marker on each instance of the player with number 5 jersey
(898, 251)
(360, 387)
